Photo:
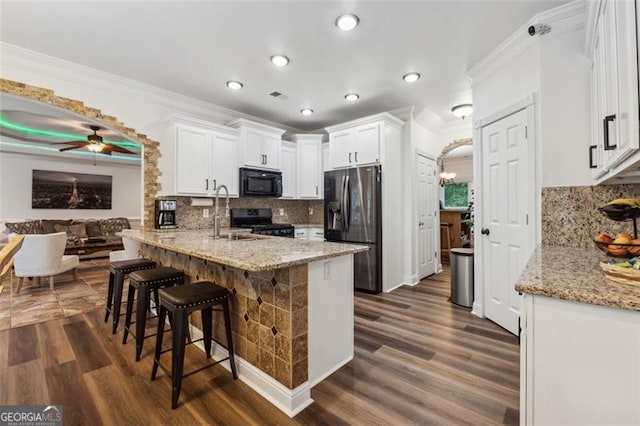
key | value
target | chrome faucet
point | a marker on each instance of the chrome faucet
(216, 219)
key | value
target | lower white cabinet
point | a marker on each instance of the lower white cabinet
(310, 233)
(579, 363)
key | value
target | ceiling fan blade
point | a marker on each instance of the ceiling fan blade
(71, 147)
(67, 142)
(115, 148)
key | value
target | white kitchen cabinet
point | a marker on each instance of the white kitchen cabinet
(309, 166)
(301, 233)
(288, 161)
(205, 156)
(259, 145)
(326, 158)
(356, 143)
(192, 163)
(316, 234)
(612, 45)
(578, 363)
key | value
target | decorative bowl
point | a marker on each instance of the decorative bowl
(619, 250)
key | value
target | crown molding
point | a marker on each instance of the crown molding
(38, 63)
(564, 19)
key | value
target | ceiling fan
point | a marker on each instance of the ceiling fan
(94, 143)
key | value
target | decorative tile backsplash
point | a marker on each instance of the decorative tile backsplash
(570, 215)
(295, 211)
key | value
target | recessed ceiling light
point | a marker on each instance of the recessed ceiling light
(279, 60)
(462, 111)
(347, 22)
(306, 111)
(411, 77)
(352, 97)
(234, 85)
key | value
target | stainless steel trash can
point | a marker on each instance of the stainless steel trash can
(462, 276)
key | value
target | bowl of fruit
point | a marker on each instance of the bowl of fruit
(622, 245)
(625, 271)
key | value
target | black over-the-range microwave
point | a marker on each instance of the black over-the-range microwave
(260, 183)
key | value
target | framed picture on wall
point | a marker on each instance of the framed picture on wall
(66, 190)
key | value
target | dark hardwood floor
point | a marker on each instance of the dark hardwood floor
(418, 360)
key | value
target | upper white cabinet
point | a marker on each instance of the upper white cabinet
(359, 142)
(258, 144)
(288, 161)
(204, 157)
(326, 160)
(612, 43)
(309, 166)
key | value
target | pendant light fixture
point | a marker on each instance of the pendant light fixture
(445, 177)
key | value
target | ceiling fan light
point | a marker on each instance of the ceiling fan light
(351, 97)
(347, 22)
(234, 85)
(411, 77)
(279, 60)
(462, 111)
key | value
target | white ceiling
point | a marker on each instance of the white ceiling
(194, 47)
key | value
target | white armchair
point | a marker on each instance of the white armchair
(42, 255)
(131, 247)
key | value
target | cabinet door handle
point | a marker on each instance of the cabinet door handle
(266, 159)
(606, 121)
(356, 156)
(316, 189)
(207, 184)
(215, 185)
(591, 165)
(485, 231)
(349, 158)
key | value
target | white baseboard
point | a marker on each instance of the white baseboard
(411, 280)
(477, 309)
(289, 401)
(330, 372)
(389, 290)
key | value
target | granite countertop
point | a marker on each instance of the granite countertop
(572, 273)
(259, 253)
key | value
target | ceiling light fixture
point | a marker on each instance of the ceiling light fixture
(234, 85)
(462, 111)
(445, 177)
(351, 97)
(347, 22)
(306, 111)
(411, 77)
(279, 60)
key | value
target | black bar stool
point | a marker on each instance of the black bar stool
(146, 281)
(117, 271)
(180, 302)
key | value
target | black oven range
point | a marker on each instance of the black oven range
(260, 221)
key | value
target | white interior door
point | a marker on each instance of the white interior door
(505, 211)
(425, 171)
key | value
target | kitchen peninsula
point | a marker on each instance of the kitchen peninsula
(291, 304)
(580, 341)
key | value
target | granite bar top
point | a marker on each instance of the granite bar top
(573, 273)
(259, 253)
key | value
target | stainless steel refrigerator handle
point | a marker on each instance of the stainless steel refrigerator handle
(347, 204)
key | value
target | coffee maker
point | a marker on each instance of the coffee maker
(165, 216)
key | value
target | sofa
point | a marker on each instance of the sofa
(84, 236)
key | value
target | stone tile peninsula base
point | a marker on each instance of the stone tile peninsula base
(292, 326)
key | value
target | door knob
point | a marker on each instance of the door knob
(484, 231)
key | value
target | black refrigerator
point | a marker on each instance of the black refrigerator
(353, 214)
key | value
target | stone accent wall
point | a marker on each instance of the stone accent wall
(296, 211)
(151, 150)
(268, 312)
(570, 215)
